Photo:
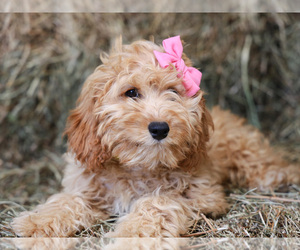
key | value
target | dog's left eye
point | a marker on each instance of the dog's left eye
(132, 93)
(174, 91)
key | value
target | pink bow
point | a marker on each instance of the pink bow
(191, 76)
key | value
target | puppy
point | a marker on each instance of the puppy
(143, 146)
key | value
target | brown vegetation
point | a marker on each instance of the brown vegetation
(250, 64)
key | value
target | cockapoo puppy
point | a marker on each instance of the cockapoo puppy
(143, 146)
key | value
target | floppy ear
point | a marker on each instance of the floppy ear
(198, 155)
(82, 126)
(206, 122)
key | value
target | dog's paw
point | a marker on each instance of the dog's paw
(146, 243)
(127, 229)
(135, 243)
(26, 225)
(45, 243)
(33, 224)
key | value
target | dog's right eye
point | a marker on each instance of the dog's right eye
(132, 93)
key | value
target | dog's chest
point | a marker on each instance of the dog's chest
(125, 187)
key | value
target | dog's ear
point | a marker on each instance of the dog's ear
(198, 155)
(82, 126)
(206, 122)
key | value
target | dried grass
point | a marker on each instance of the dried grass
(250, 64)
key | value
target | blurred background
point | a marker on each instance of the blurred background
(250, 65)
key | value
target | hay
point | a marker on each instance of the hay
(46, 58)
(251, 215)
(250, 64)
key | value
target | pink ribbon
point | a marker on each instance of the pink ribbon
(190, 75)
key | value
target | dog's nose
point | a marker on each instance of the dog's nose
(159, 130)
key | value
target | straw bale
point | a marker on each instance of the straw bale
(250, 64)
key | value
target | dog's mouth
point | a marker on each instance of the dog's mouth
(149, 155)
(159, 143)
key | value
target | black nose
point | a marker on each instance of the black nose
(159, 130)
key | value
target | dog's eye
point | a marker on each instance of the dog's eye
(132, 93)
(171, 95)
(174, 91)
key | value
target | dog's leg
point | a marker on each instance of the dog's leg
(242, 156)
(155, 216)
(61, 216)
(206, 196)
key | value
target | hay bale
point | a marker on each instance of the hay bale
(250, 64)
(46, 58)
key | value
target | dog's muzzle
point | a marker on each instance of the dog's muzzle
(159, 130)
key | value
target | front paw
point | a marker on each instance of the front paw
(44, 243)
(146, 243)
(33, 224)
(27, 225)
(134, 228)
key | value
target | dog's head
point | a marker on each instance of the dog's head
(135, 111)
